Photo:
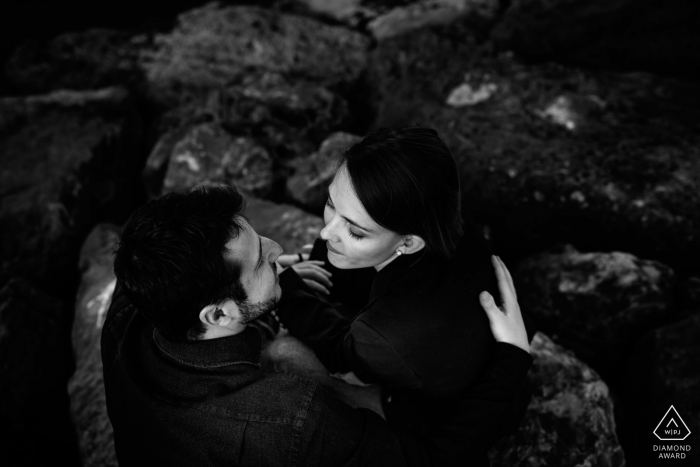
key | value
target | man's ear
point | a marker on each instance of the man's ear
(219, 315)
(412, 244)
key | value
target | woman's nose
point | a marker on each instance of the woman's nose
(329, 231)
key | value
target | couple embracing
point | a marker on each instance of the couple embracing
(397, 299)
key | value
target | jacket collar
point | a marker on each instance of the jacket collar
(242, 348)
(397, 271)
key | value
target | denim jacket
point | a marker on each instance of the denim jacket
(206, 403)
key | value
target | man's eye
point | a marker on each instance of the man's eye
(354, 235)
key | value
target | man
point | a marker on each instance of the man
(182, 372)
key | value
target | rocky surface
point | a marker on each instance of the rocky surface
(35, 363)
(309, 183)
(67, 159)
(614, 34)
(289, 226)
(596, 304)
(389, 19)
(549, 154)
(90, 59)
(214, 45)
(207, 154)
(570, 418)
(86, 387)
(663, 371)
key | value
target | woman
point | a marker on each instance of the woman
(403, 275)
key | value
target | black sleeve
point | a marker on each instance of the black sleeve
(359, 437)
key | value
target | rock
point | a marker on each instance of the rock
(90, 59)
(596, 304)
(291, 227)
(309, 183)
(214, 45)
(388, 19)
(67, 159)
(569, 420)
(660, 37)
(86, 387)
(35, 364)
(663, 372)
(607, 162)
(207, 154)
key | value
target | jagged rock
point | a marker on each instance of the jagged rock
(607, 162)
(214, 45)
(91, 59)
(291, 227)
(569, 420)
(86, 387)
(663, 372)
(35, 363)
(314, 173)
(67, 159)
(661, 37)
(207, 154)
(388, 19)
(596, 304)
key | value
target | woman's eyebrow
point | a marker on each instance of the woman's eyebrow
(350, 221)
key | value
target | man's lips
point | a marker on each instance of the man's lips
(330, 248)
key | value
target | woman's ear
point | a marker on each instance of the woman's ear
(412, 244)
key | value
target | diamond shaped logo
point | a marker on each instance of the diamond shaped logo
(671, 427)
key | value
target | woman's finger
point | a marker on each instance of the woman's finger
(503, 284)
(309, 266)
(316, 286)
(508, 276)
(307, 248)
(315, 275)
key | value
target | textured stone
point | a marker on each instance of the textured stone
(289, 226)
(312, 175)
(207, 154)
(214, 45)
(569, 420)
(35, 364)
(67, 158)
(663, 372)
(596, 304)
(661, 37)
(604, 161)
(86, 387)
(388, 19)
(90, 59)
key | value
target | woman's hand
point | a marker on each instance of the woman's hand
(287, 260)
(506, 321)
(314, 275)
(312, 272)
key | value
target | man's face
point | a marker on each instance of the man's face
(256, 255)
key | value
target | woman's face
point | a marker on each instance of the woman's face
(353, 239)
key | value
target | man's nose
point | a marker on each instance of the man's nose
(274, 250)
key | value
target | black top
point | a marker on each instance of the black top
(416, 326)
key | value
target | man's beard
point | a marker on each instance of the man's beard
(252, 311)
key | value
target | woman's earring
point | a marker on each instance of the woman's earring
(399, 252)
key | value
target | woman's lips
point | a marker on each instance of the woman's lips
(331, 249)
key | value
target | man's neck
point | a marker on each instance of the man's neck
(217, 332)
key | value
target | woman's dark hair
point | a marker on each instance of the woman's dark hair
(170, 258)
(407, 180)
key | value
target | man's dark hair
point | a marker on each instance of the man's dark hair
(170, 258)
(407, 180)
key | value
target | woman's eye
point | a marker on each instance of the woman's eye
(328, 203)
(354, 235)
